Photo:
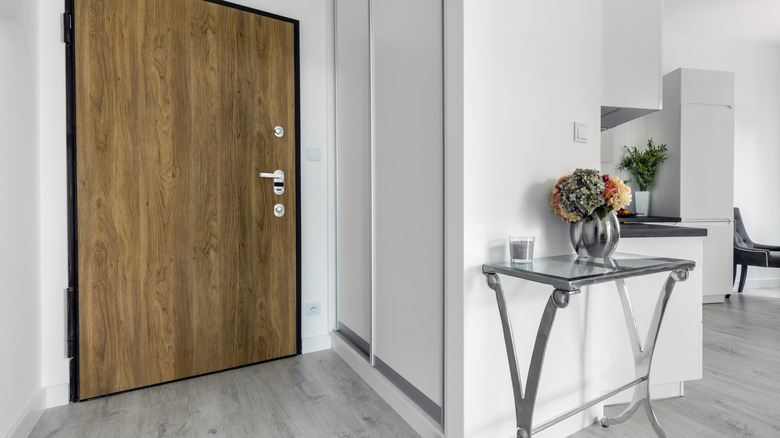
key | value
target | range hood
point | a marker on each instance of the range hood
(612, 116)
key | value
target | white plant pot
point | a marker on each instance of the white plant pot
(641, 203)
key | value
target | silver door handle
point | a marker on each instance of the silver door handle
(278, 178)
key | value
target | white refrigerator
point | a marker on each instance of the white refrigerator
(696, 183)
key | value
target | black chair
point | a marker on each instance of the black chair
(748, 253)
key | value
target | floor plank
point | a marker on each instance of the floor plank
(740, 392)
(312, 395)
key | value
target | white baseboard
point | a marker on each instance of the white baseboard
(29, 418)
(762, 283)
(315, 343)
(712, 299)
(397, 400)
(57, 395)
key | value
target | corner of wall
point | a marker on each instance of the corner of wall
(57, 395)
(315, 343)
(30, 416)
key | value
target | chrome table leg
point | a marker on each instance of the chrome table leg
(643, 356)
(524, 403)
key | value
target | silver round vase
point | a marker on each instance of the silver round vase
(595, 236)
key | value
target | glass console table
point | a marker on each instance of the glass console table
(567, 275)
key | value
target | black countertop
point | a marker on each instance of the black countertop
(635, 229)
(647, 219)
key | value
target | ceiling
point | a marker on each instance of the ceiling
(735, 20)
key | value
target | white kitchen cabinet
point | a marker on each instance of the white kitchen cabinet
(696, 182)
(717, 262)
(631, 60)
(678, 353)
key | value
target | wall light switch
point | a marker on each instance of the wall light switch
(580, 132)
(313, 154)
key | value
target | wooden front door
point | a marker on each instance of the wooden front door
(184, 265)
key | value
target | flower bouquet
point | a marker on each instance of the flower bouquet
(585, 194)
(585, 199)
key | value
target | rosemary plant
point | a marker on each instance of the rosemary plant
(642, 165)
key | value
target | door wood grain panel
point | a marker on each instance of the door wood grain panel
(183, 267)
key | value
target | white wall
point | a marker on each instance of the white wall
(53, 183)
(532, 68)
(631, 133)
(316, 132)
(756, 69)
(20, 318)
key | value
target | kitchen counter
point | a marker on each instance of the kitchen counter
(648, 219)
(634, 229)
(678, 356)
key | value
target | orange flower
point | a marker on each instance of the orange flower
(616, 194)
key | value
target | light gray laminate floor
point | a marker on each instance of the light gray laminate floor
(318, 395)
(739, 395)
(312, 395)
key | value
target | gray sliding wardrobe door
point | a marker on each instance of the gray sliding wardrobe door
(390, 195)
(409, 197)
(353, 121)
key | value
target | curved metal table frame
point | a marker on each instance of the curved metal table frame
(567, 275)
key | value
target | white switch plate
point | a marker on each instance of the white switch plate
(580, 132)
(313, 154)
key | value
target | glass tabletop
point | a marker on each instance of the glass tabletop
(570, 272)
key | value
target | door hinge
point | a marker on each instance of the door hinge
(67, 28)
(72, 297)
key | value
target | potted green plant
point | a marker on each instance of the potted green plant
(642, 165)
